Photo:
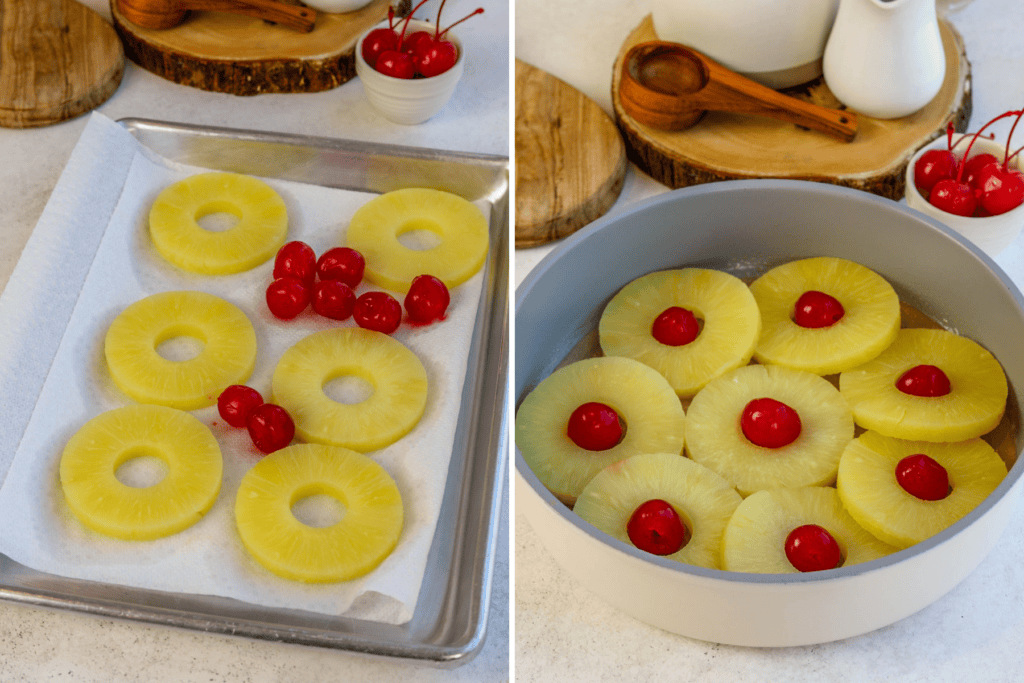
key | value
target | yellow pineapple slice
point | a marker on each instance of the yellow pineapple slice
(396, 376)
(755, 537)
(726, 340)
(188, 489)
(871, 492)
(461, 228)
(868, 325)
(702, 499)
(974, 405)
(642, 398)
(140, 371)
(715, 437)
(367, 532)
(260, 231)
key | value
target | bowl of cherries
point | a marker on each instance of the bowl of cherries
(410, 68)
(972, 183)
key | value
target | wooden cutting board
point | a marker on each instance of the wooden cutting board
(570, 159)
(241, 55)
(58, 59)
(724, 146)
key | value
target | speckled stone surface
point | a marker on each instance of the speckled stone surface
(40, 645)
(565, 633)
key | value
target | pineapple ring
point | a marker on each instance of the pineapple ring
(397, 376)
(868, 487)
(89, 463)
(974, 406)
(654, 417)
(869, 325)
(703, 500)
(261, 229)
(228, 355)
(715, 438)
(375, 228)
(355, 545)
(755, 537)
(732, 324)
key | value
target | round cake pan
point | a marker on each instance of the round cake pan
(746, 227)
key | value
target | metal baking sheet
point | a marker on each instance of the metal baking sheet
(448, 626)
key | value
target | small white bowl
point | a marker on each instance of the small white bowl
(991, 233)
(409, 101)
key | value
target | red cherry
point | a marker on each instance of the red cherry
(924, 380)
(342, 263)
(973, 165)
(675, 326)
(297, 260)
(953, 197)
(1001, 190)
(594, 427)
(655, 527)
(270, 427)
(436, 58)
(921, 476)
(236, 402)
(816, 309)
(333, 299)
(769, 423)
(287, 297)
(415, 41)
(377, 311)
(395, 64)
(933, 166)
(427, 300)
(811, 548)
(377, 42)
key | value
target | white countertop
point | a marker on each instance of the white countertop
(44, 645)
(565, 633)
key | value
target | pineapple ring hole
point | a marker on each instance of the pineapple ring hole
(141, 468)
(218, 216)
(419, 234)
(348, 389)
(180, 343)
(317, 506)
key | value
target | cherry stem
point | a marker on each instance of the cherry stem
(437, 26)
(967, 153)
(391, 19)
(478, 10)
(1006, 154)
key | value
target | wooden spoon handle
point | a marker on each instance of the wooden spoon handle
(293, 16)
(729, 91)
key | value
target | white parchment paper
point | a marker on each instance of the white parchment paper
(118, 265)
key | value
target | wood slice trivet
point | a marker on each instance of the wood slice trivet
(58, 59)
(242, 55)
(570, 159)
(724, 146)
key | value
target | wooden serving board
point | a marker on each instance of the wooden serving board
(58, 59)
(570, 159)
(242, 55)
(723, 146)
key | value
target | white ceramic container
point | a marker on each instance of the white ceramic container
(991, 233)
(778, 43)
(409, 101)
(746, 227)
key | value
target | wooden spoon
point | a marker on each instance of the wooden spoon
(160, 14)
(669, 86)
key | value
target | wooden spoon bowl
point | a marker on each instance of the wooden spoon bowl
(163, 14)
(670, 86)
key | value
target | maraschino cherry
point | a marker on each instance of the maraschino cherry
(816, 309)
(655, 527)
(924, 380)
(377, 311)
(595, 427)
(236, 402)
(380, 40)
(769, 423)
(675, 326)
(270, 427)
(811, 548)
(921, 476)
(933, 166)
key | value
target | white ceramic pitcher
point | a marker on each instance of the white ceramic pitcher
(884, 58)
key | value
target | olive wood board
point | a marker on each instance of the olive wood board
(58, 59)
(570, 158)
(242, 55)
(724, 146)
